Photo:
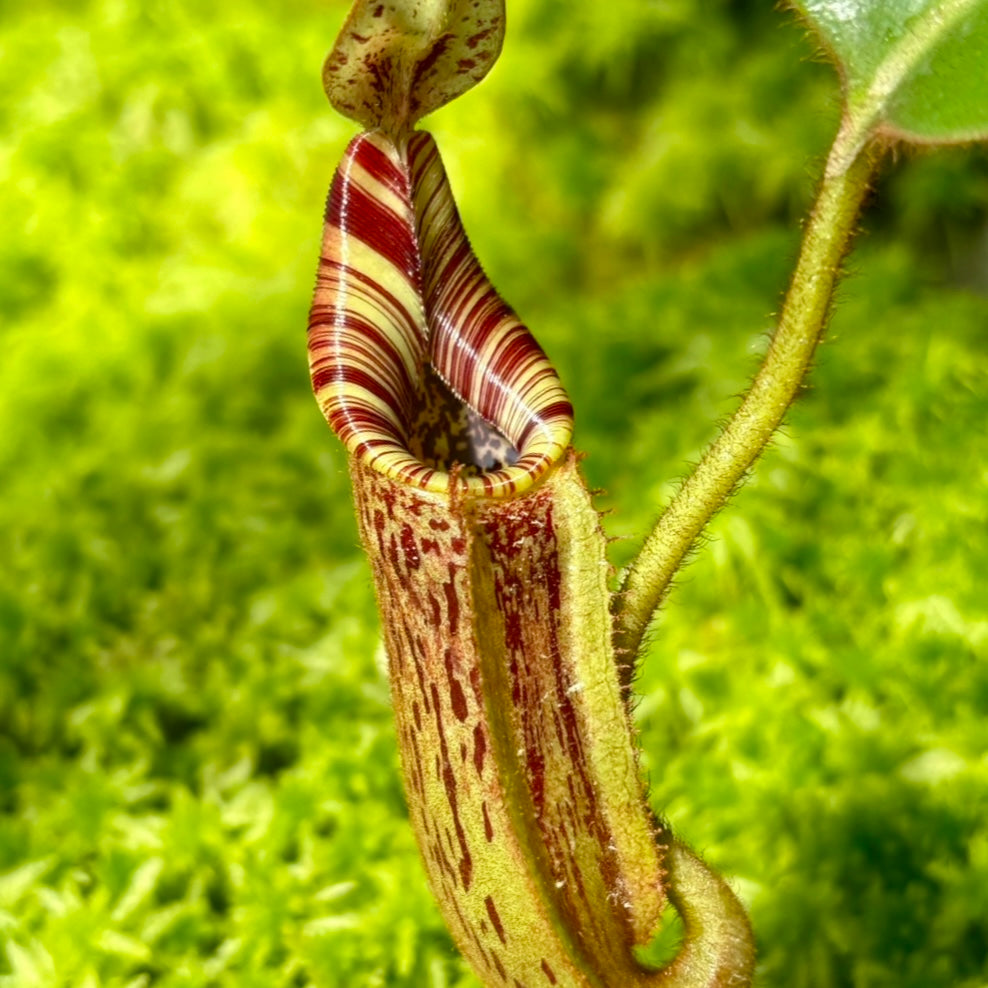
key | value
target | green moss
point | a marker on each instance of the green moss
(198, 779)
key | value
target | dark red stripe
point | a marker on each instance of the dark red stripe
(378, 165)
(359, 214)
(495, 918)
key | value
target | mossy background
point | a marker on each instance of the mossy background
(198, 779)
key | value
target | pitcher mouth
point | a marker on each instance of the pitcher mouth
(419, 366)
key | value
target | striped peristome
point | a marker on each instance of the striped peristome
(517, 750)
(401, 301)
(478, 344)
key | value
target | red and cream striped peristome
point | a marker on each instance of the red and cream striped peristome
(416, 361)
(517, 750)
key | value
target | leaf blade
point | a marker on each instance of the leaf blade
(913, 69)
(918, 115)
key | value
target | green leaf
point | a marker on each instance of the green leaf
(397, 60)
(912, 69)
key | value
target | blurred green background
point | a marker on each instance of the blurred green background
(198, 781)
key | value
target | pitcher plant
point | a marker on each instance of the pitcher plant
(510, 657)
